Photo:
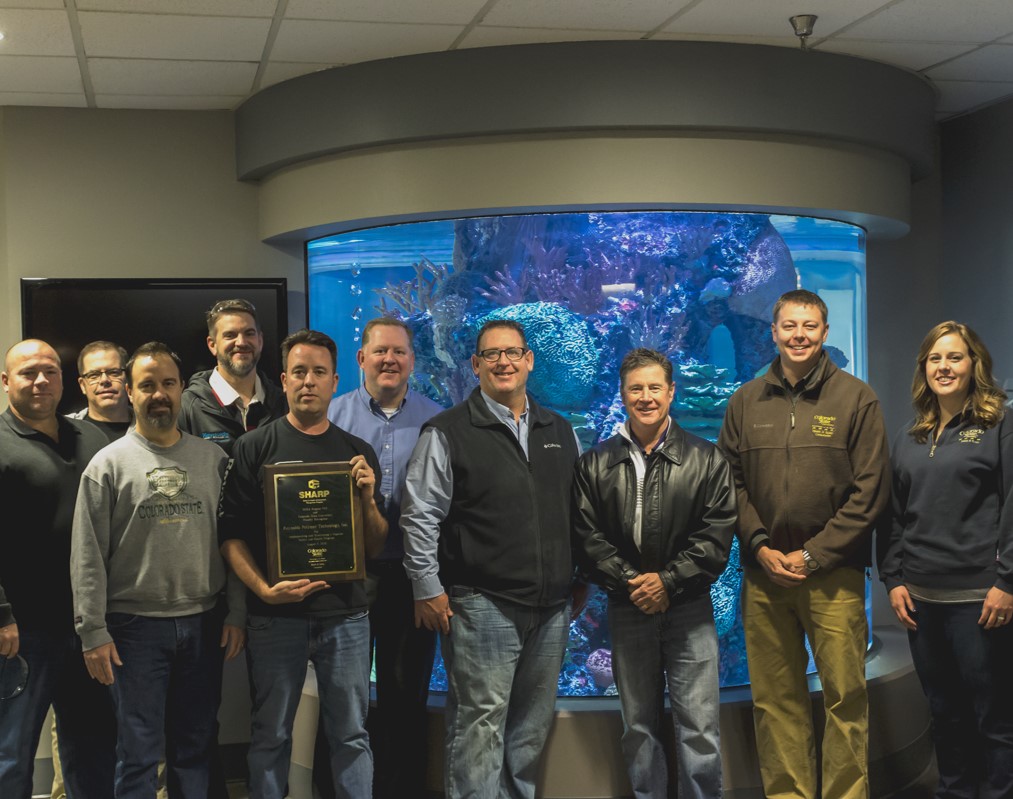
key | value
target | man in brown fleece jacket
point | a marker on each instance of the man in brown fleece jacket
(808, 451)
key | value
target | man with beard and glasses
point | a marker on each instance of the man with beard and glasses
(147, 579)
(42, 456)
(221, 404)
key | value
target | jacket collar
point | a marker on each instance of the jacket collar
(481, 416)
(774, 375)
(618, 447)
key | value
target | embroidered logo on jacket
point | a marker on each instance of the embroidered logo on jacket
(218, 437)
(824, 426)
(972, 435)
(168, 482)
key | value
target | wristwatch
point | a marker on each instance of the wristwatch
(811, 564)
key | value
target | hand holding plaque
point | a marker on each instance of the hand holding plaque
(314, 522)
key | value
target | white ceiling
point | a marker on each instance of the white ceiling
(200, 54)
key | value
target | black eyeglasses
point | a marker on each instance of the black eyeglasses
(13, 677)
(115, 375)
(492, 354)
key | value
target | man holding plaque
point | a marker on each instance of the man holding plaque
(388, 414)
(486, 520)
(302, 605)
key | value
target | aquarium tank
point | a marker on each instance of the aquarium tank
(589, 287)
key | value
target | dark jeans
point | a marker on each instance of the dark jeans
(398, 723)
(167, 694)
(84, 719)
(965, 672)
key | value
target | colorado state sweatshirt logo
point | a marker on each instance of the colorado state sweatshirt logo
(168, 482)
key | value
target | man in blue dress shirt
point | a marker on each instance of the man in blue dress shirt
(387, 414)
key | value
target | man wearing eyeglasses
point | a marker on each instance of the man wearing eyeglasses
(221, 404)
(486, 521)
(101, 378)
(42, 456)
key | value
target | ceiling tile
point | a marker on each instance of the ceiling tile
(223, 8)
(956, 96)
(36, 99)
(55, 4)
(351, 42)
(493, 36)
(459, 12)
(35, 32)
(912, 55)
(133, 76)
(278, 71)
(994, 62)
(25, 73)
(769, 18)
(613, 15)
(168, 102)
(163, 36)
(938, 21)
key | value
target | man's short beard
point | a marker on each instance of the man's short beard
(165, 422)
(233, 369)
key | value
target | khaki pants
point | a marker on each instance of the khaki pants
(829, 608)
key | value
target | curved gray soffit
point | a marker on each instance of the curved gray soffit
(583, 87)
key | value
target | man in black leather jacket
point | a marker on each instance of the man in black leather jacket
(654, 510)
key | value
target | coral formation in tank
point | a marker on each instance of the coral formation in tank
(589, 287)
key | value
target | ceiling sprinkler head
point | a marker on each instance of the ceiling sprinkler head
(803, 24)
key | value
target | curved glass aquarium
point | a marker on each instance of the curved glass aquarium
(588, 287)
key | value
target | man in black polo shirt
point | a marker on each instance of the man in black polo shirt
(296, 621)
(42, 456)
(101, 369)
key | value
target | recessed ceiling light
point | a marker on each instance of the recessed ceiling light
(1, 35)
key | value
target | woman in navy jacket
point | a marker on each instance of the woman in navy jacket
(948, 561)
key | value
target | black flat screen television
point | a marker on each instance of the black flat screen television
(70, 312)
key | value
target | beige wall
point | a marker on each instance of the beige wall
(100, 193)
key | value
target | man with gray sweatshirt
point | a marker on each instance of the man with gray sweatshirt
(147, 579)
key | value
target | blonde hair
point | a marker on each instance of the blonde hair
(985, 400)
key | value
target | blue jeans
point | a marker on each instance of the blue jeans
(84, 719)
(682, 644)
(167, 694)
(965, 672)
(277, 651)
(502, 664)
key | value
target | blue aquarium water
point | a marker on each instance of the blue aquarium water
(588, 287)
